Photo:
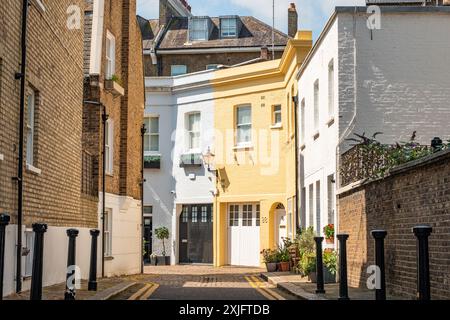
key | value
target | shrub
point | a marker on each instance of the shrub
(162, 234)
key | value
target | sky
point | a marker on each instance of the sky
(313, 14)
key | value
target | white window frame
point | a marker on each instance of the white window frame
(110, 66)
(179, 66)
(29, 244)
(240, 143)
(289, 216)
(277, 110)
(108, 232)
(244, 218)
(229, 31)
(212, 66)
(303, 121)
(149, 134)
(331, 76)
(316, 106)
(190, 132)
(193, 32)
(31, 111)
(109, 147)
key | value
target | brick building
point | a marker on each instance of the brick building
(171, 42)
(52, 136)
(114, 83)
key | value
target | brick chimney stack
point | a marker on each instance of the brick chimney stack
(292, 21)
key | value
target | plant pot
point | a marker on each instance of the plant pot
(271, 266)
(330, 241)
(284, 266)
(328, 277)
(154, 261)
(312, 276)
(163, 261)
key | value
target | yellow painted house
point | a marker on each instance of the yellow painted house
(255, 158)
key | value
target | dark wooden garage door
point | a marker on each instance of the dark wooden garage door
(196, 234)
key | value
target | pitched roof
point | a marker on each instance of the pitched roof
(254, 33)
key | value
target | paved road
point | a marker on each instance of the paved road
(207, 283)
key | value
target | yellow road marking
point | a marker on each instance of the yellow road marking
(150, 291)
(139, 293)
(263, 286)
(260, 286)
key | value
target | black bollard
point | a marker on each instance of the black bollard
(70, 288)
(343, 286)
(423, 262)
(379, 236)
(319, 265)
(92, 286)
(4, 221)
(38, 257)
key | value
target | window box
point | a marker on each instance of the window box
(152, 162)
(115, 88)
(191, 160)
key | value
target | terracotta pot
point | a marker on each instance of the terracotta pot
(330, 241)
(284, 266)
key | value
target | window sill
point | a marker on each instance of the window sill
(330, 122)
(276, 127)
(316, 135)
(109, 174)
(33, 170)
(109, 258)
(115, 88)
(243, 147)
(302, 147)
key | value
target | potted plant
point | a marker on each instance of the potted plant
(330, 266)
(270, 259)
(307, 266)
(153, 259)
(113, 84)
(284, 259)
(329, 233)
(163, 234)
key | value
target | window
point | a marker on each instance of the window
(29, 243)
(331, 198)
(318, 220)
(31, 109)
(289, 218)
(331, 89)
(185, 215)
(276, 116)
(212, 67)
(302, 121)
(303, 209)
(234, 216)
(110, 55)
(193, 131)
(108, 232)
(177, 70)
(311, 205)
(109, 146)
(244, 125)
(148, 210)
(247, 216)
(258, 215)
(228, 27)
(316, 105)
(198, 29)
(151, 138)
(204, 214)
(194, 214)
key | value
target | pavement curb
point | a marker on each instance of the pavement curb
(111, 292)
(292, 289)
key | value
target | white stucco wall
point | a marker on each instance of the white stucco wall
(56, 244)
(168, 188)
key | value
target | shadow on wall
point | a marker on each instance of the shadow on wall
(223, 178)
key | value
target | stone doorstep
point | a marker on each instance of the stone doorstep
(284, 281)
(113, 291)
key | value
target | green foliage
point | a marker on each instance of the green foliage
(162, 234)
(330, 261)
(307, 263)
(270, 256)
(328, 230)
(305, 241)
(116, 79)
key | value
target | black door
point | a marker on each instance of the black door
(148, 227)
(196, 234)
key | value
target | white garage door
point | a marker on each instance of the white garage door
(243, 235)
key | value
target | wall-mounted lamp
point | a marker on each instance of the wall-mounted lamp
(208, 159)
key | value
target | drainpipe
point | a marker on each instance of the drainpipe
(104, 120)
(297, 148)
(143, 131)
(19, 178)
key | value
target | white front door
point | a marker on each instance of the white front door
(282, 225)
(243, 235)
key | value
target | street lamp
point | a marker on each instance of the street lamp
(208, 159)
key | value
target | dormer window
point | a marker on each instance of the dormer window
(229, 27)
(198, 29)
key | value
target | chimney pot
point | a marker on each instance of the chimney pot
(292, 20)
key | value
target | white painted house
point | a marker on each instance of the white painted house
(393, 80)
(179, 188)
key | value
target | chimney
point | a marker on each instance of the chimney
(264, 53)
(292, 21)
(164, 12)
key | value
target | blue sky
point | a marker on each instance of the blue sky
(313, 14)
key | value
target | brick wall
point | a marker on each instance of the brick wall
(55, 71)
(418, 194)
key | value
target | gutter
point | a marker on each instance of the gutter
(19, 178)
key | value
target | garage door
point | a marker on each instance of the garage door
(243, 235)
